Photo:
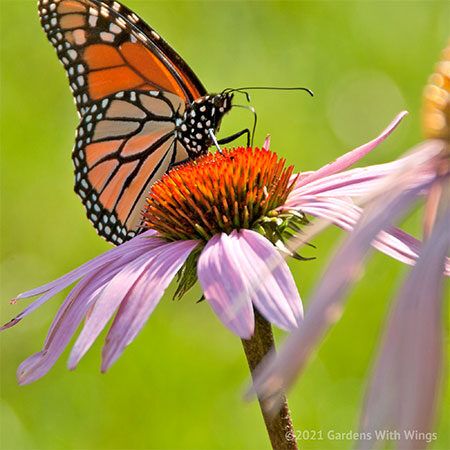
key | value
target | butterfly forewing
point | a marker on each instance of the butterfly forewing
(105, 48)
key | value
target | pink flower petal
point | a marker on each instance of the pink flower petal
(109, 300)
(403, 391)
(326, 304)
(66, 322)
(143, 297)
(270, 283)
(224, 286)
(353, 156)
(138, 244)
(266, 144)
(394, 242)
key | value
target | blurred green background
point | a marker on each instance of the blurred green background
(179, 385)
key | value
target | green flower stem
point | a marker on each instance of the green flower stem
(279, 426)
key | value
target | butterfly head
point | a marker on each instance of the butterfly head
(200, 117)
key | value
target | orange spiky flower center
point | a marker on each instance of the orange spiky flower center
(219, 192)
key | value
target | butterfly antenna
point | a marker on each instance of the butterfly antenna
(267, 88)
(275, 88)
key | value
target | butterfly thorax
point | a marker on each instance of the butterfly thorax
(200, 118)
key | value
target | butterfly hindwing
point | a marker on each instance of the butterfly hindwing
(106, 48)
(124, 143)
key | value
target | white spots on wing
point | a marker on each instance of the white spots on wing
(155, 35)
(142, 36)
(114, 28)
(80, 80)
(121, 22)
(93, 21)
(104, 11)
(85, 184)
(105, 103)
(116, 6)
(72, 54)
(133, 17)
(107, 37)
(54, 22)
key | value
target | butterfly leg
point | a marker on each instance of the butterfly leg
(234, 136)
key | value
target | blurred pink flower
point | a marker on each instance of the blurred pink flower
(208, 210)
(403, 392)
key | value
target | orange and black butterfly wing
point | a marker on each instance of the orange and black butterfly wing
(125, 142)
(126, 139)
(106, 48)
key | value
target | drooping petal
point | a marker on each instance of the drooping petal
(326, 304)
(109, 300)
(270, 283)
(224, 286)
(64, 325)
(138, 244)
(394, 242)
(403, 391)
(350, 158)
(143, 297)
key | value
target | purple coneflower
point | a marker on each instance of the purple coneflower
(223, 219)
(402, 394)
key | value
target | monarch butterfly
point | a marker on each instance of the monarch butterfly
(142, 109)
